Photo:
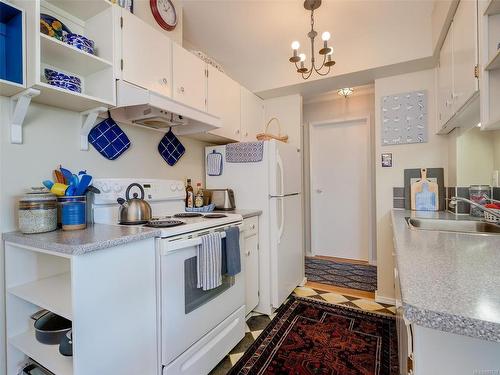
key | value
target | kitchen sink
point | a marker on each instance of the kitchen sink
(461, 226)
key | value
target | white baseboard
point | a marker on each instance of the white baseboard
(386, 300)
(303, 282)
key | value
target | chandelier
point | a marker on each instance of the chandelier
(326, 51)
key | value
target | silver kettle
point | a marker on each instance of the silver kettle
(134, 210)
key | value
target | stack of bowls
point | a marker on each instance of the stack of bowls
(63, 80)
(79, 41)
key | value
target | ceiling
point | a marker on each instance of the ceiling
(251, 38)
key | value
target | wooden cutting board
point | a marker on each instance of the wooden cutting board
(424, 193)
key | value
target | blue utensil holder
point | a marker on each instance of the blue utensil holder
(73, 213)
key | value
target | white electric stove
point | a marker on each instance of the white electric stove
(196, 328)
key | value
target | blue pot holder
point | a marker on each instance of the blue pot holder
(170, 148)
(109, 139)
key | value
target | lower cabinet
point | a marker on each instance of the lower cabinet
(251, 253)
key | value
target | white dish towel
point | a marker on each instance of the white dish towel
(209, 261)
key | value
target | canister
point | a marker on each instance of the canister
(478, 194)
(73, 212)
(37, 212)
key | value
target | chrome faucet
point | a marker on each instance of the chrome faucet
(455, 200)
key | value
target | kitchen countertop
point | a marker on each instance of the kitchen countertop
(246, 213)
(449, 281)
(78, 242)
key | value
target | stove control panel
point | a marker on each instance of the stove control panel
(154, 189)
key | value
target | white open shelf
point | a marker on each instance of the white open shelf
(494, 62)
(69, 58)
(51, 293)
(47, 355)
(74, 101)
(493, 7)
(81, 9)
(8, 88)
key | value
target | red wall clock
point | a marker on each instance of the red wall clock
(164, 13)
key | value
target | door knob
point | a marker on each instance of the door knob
(319, 191)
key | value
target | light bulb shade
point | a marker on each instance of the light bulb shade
(345, 92)
(302, 57)
(295, 45)
(325, 36)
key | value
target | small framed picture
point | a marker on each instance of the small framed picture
(387, 160)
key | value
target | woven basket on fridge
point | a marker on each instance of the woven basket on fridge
(266, 136)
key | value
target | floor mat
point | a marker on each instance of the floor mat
(345, 275)
(313, 337)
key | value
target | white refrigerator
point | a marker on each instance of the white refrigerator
(272, 185)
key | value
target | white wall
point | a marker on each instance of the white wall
(51, 137)
(325, 108)
(288, 110)
(142, 10)
(433, 154)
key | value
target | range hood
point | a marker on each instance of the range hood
(135, 105)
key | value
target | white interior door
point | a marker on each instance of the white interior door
(340, 189)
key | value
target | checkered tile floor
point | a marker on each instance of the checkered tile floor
(257, 323)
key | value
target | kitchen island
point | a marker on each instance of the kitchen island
(449, 296)
(103, 280)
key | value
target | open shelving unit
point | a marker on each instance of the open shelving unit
(51, 293)
(47, 355)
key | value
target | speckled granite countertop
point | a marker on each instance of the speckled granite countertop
(449, 281)
(78, 242)
(246, 213)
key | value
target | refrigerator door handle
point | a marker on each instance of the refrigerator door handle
(279, 162)
(283, 195)
(282, 219)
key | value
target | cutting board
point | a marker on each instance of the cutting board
(424, 193)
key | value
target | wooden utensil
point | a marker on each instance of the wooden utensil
(424, 194)
(58, 177)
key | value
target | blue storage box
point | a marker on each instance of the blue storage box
(11, 43)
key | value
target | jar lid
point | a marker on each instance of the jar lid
(38, 194)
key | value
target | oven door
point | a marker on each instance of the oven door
(188, 313)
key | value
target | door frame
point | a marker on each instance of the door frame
(314, 125)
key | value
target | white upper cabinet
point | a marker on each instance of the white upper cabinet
(146, 55)
(189, 78)
(465, 53)
(223, 100)
(445, 79)
(457, 79)
(252, 115)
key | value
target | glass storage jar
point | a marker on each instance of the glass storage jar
(37, 212)
(478, 194)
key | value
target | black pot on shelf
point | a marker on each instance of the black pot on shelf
(49, 327)
(66, 344)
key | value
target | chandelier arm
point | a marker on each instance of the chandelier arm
(324, 74)
(308, 74)
(321, 67)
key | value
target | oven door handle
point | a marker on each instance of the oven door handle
(182, 244)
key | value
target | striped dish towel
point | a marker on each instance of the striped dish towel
(209, 261)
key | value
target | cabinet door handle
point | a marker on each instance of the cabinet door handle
(181, 90)
(253, 226)
(165, 81)
(237, 131)
(246, 134)
(247, 253)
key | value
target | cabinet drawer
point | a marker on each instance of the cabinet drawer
(251, 226)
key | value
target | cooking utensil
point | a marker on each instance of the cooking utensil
(49, 327)
(48, 184)
(83, 184)
(59, 188)
(66, 344)
(424, 193)
(67, 174)
(134, 210)
(93, 189)
(58, 177)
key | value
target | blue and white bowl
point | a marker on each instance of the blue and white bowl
(80, 42)
(54, 75)
(65, 85)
